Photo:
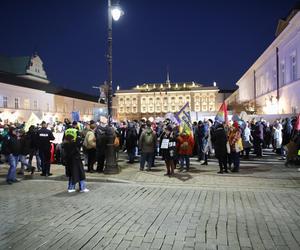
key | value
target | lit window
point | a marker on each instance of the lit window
(16, 103)
(5, 101)
(293, 67)
(35, 104)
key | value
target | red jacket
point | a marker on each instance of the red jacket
(185, 144)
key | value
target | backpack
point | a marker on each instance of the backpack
(148, 138)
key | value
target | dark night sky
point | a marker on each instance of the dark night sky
(200, 40)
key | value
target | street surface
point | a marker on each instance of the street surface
(258, 208)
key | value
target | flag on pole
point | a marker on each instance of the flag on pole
(183, 117)
(222, 115)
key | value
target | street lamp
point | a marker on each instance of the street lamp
(111, 166)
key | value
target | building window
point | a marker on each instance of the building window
(144, 109)
(35, 104)
(5, 101)
(26, 104)
(134, 109)
(282, 71)
(16, 103)
(121, 100)
(293, 67)
(127, 109)
(121, 109)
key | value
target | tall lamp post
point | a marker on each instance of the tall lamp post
(111, 166)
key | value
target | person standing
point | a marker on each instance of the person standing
(185, 145)
(131, 142)
(25, 150)
(90, 146)
(73, 163)
(11, 149)
(147, 146)
(258, 138)
(32, 133)
(219, 140)
(236, 146)
(44, 136)
(168, 150)
(247, 140)
(101, 141)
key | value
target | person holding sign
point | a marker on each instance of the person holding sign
(168, 150)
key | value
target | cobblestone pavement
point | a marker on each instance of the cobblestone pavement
(259, 208)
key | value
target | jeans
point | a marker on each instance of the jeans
(186, 159)
(13, 162)
(71, 185)
(37, 157)
(24, 162)
(146, 157)
(235, 157)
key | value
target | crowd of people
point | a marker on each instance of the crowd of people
(85, 144)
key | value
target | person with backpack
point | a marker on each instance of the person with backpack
(90, 146)
(147, 146)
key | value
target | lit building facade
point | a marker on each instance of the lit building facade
(25, 89)
(158, 99)
(272, 84)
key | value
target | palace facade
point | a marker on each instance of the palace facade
(151, 100)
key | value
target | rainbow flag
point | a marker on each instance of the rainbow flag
(222, 115)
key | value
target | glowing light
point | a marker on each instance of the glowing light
(116, 12)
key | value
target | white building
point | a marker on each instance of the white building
(272, 83)
(25, 89)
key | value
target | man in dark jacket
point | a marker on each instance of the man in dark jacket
(12, 149)
(219, 140)
(131, 142)
(44, 136)
(25, 140)
(32, 133)
(101, 142)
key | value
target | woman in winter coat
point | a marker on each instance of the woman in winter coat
(168, 150)
(73, 164)
(236, 146)
(219, 140)
(185, 145)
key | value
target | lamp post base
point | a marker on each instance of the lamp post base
(111, 165)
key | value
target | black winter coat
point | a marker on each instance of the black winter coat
(73, 163)
(219, 140)
(11, 145)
